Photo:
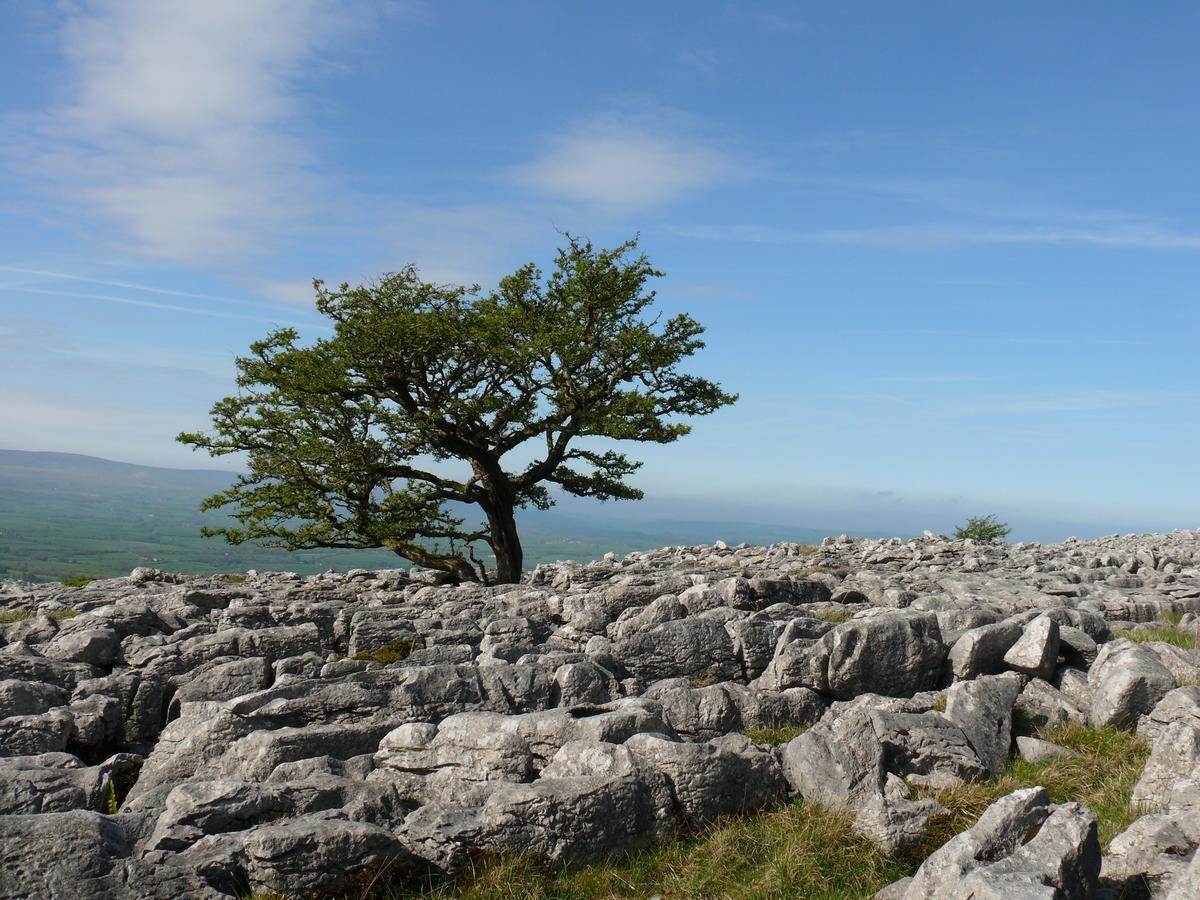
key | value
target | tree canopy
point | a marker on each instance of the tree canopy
(982, 528)
(379, 435)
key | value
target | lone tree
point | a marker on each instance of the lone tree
(351, 440)
(982, 528)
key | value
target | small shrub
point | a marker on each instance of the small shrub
(78, 581)
(779, 734)
(982, 528)
(702, 681)
(390, 653)
(8, 616)
(111, 804)
(233, 579)
(939, 705)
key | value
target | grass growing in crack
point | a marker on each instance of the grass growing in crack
(233, 579)
(59, 614)
(779, 734)
(801, 850)
(78, 581)
(8, 616)
(389, 653)
(836, 616)
(1187, 638)
(1100, 775)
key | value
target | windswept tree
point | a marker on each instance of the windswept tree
(385, 433)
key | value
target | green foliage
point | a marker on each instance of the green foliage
(78, 581)
(779, 734)
(8, 616)
(59, 614)
(389, 653)
(982, 528)
(336, 433)
(111, 804)
(233, 579)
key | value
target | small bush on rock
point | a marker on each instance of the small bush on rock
(78, 581)
(982, 528)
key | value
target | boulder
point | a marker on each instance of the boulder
(980, 651)
(983, 710)
(1036, 651)
(1127, 680)
(1022, 846)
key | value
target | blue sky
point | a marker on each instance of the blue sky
(947, 253)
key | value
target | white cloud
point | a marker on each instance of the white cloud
(178, 128)
(623, 165)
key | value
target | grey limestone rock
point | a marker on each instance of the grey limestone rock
(982, 708)
(1149, 855)
(1022, 843)
(1042, 706)
(980, 651)
(1036, 750)
(1127, 680)
(1036, 651)
(59, 855)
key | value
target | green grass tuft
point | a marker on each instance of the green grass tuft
(8, 616)
(59, 614)
(777, 735)
(388, 653)
(233, 579)
(111, 804)
(801, 850)
(1100, 776)
(836, 616)
(1187, 638)
(78, 581)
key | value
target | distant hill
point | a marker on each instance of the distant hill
(65, 514)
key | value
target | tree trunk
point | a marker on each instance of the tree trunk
(506, 543)
(457, 566)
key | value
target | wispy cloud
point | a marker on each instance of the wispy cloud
(179, 124)
(1116, 234)
(127, 285)
(1083, 401)
(624, 164)
(168, 307)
